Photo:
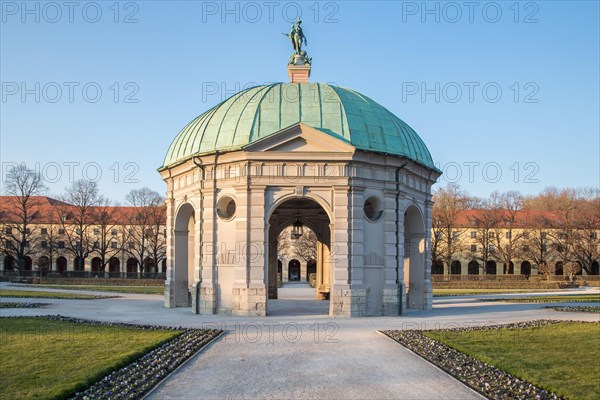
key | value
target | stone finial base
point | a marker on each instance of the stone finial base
(299, 73)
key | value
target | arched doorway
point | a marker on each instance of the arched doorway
(511, 268)
(301, 213)
(558, 268)
(455, 267)
(595, 270)
(414, 259)
(28, 265)
(132, 268)
(44, 264)
(163, 264)
(114, 267)
(437, 268)
(526, 268)
(182, 272)
(78, 264)
(149, 267)
(61, 265)
(311, 268)
(97, 269)
(9, 263)
(490, 268)
(473, 268)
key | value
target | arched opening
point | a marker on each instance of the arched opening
(27, 265)
(558, 268)
(299, 227)
(595, 270)
(455, 267)
(97, 268)
(114, 267)
(78, 264)
(132, 268)
(43, 265)
(182, 272)
(9, 263)
(279, 272)
(437, 268)
(511, 268)
(490, 268)
(163, 264)
(149, 267)
(526, 268)
(414, 259)
(311, 268)
(473, 268)
(61, 265)
(294, 271)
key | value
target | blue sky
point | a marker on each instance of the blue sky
(505, 94)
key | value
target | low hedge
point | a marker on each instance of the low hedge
(495, 285)
(98, 281)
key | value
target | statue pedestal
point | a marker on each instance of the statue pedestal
(299, 73)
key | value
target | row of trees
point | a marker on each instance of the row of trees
(81, 223)
(556, 226)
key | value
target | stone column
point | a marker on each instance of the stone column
(208, 252)
(392, 296)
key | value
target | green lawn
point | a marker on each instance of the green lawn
(118, 289)
(466, 292)
(48, 295)
(573, 298)
(45, 359)
(562, 357)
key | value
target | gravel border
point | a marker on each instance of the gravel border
(10, 304)
(486, 379)
(589, 309)
(140, 376)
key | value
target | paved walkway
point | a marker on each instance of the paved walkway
(300, 352)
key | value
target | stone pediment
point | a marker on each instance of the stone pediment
(300, 138)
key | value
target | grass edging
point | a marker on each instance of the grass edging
(10, 304)
(588, 309)
(484, 378)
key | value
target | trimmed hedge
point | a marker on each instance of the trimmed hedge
(495, 285)
(98, 281)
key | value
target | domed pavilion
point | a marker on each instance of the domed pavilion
(305, 155)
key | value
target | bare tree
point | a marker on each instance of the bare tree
(536, 244)
(106, 242)
(447, 241)
(507, 234)
(21, 211)
(157, 239)
(77, 217)
(485, 222)
(586, 246)
(305, 247)
(145, 221)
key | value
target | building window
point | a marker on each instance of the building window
(131, 245)
(543, 235)
(525, 248)
(508, 235)
(27, 243)
(473, 234)
(491, 235)
(96, 231)
(526, 235)
(61, 231)
(113, 232)
(472, 222)
(544, 248)
(491, 247)
(61, 244)
(455, 235)
(27, 231)
(473, 248)
(594, 236)
(44, 231)
(113, 245)
(8, 244)
(8, 231)
(96, 245)
(44, 244)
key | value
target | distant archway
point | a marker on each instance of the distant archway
(595, 269)
(526, 268)
(97, 266)
(9, 263)
(311, 268)
(44, 264)
(455, 267)
(78, 264)
(491, 268)
(437, 268)
(414, 258)
(473, 268)
(28, 266)
(511, 268)
(114, 267)
(61, 265)
(132, 268)
(558, 268)
(294, 271)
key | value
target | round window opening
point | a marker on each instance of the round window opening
(372, 209)
(226, 208)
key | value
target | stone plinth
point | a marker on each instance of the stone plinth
(349, 302)
(249, 302)
(299, 73)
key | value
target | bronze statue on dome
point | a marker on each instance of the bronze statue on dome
(297, 38)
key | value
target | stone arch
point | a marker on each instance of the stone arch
(526, 268)
(414, 258)
(511, 268)
(473, 268)
(44, 264)
(78, 264)
(455, 267)
(292, 197)
(61, 265)
(149, 266)
(132, 267)
(97, 266)
(313, 215)
(114, 267)
(491, 268)
(311, 268)
(9, 263)
(437, 268)
(182, 272)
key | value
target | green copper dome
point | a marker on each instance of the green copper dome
(260, 111)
